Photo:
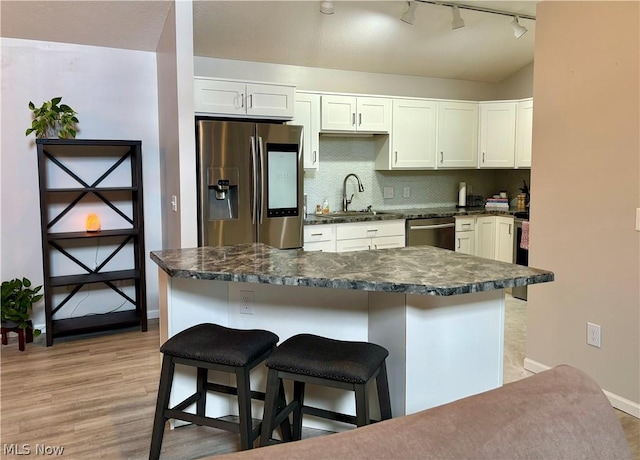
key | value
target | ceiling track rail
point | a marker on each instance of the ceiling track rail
(463, 6)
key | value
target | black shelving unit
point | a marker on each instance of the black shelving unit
(57, 156)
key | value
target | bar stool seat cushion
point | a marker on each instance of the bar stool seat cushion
(344, 361)
(220, 345)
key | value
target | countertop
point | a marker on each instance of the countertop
(412, 270)
(411, 213)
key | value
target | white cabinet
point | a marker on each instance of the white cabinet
(413, 134)
(362, 236)
(457, 145)
(320, 238)
(307, 114)
(494, 237)
(355, 114)
(504, 239)
(524, 133)
(243, 99)
(497, 134)
(466, 235)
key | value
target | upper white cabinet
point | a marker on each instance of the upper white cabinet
(457, 145)
(413, 134)
(523, 133)
(243, 99)
(497, 134)
(355, 114)
(307, 114)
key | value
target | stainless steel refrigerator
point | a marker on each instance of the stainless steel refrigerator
(250, 183)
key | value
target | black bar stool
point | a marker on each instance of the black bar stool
(210, 346)
(307, 358)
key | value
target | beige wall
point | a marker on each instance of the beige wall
(585, 190)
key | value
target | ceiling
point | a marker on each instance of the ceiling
(361, 35)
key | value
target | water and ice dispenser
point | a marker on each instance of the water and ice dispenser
(223, 193)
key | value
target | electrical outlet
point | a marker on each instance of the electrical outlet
(406, 192)
(593, 335)
(246, 302)
(387, 192)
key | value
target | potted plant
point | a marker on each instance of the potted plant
(18, 298)
(53, 119)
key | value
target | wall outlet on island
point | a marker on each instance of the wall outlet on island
(593, 335)
(246, 302)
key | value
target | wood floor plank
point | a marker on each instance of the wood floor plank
(95, 396)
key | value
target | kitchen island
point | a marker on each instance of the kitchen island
(439, 313)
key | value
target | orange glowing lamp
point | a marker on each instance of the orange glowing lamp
(93, 223)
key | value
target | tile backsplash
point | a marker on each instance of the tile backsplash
(340, 156)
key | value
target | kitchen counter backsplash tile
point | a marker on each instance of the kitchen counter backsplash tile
(413, 270)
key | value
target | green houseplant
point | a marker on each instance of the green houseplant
(53, 119)
(18, 298)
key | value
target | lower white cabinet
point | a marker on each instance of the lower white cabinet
(362, 236)
(320, 238)
(466, 235)
(491, 237)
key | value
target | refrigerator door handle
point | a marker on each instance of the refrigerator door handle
(254, 181)
(261, 190)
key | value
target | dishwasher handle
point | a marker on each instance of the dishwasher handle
(431, 227)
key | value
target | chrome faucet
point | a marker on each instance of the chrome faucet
(347, 201)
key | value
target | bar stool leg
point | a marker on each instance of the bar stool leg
(384, 399)
(164, 392)
(270, 404)
(201, 381)
(362, 404)
(298, 395)
(285, 426)
(244, 407)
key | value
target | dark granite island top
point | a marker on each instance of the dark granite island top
(412, 270)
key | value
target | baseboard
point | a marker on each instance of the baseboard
(623, 404)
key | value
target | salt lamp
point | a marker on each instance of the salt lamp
(93, 223)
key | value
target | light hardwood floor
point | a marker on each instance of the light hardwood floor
(94, 396)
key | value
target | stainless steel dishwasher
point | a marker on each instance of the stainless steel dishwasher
(438, 231)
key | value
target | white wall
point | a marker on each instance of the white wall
(114, 92)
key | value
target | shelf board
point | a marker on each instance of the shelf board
(93, 278)
(91, 189)
(92, 323)
(85, 234)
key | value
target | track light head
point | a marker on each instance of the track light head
(409, 16)
(457, 22)
(327, 7)
(518, 30)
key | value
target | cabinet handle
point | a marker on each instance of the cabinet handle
(459, 243)
(316, 234)
(441, 157)
(483, 157)
(353, 118)
(315, 156)
(241, 99)
(466, 225)
(395, 161)
(369, 247)
(359, 119)
(250, 101)
(509, 229)
(375, 246)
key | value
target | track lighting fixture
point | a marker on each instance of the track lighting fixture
(518, 30)
(327, 7)
(457, 22)
(409, 16)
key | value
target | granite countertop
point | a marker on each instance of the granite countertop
(413, 270)
(412, 213)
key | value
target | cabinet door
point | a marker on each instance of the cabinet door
(504, 239)
(413, 134)
(374, 114)
(457, 135)
(320, 246)
(386, 242)
(358, 244)
(273, 101)
(485, 237)
(465, 242)
(219, 97)
(338, 113)
(524, 134)
(497, 134)
(307, 114)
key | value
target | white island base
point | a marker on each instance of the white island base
(441, 348)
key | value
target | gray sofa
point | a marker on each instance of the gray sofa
(557, 414)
